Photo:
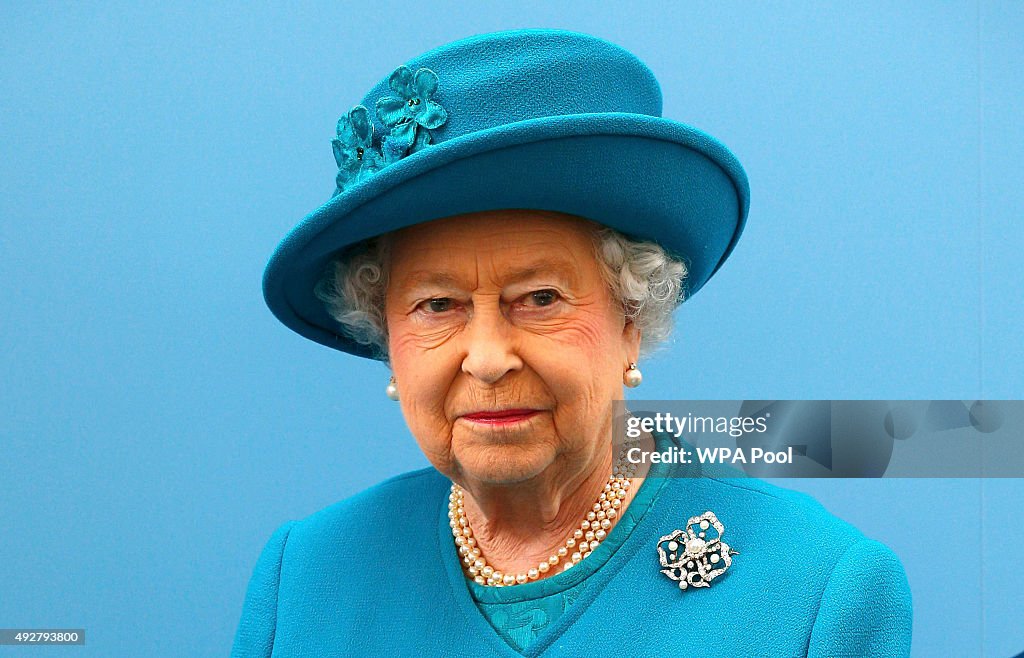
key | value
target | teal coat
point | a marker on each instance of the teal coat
(379, 575)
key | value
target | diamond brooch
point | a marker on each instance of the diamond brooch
(697, 555)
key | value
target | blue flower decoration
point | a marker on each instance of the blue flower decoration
(409, 109)
(395, 148)
(409, 115)
(353, 148)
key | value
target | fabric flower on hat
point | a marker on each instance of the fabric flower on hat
(353, 148)
(395, 148)
(410, 108)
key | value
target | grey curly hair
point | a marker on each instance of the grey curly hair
(641, 275)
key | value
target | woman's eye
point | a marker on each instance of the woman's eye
(543, 297)
(438, 304)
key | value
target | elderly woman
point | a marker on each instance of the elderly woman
(512, 227)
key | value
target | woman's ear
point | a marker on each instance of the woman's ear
(631, 336)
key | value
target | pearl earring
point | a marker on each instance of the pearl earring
(632, 376)
(392, 389)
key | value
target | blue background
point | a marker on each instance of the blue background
(157, 423)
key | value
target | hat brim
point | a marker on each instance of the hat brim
(648, 177)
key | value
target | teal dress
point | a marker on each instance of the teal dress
(378, 574)
(522, 613)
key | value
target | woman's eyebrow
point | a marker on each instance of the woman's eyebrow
(425, 278)
(562, 270)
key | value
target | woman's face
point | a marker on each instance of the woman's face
(505, 311)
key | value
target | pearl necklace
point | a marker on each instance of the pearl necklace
(581, 543)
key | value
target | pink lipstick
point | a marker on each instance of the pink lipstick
(502, 417)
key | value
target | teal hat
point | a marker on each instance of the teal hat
(540, 119)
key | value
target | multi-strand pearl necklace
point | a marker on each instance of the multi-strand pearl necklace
(581, 543)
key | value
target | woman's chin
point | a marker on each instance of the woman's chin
(504, 464)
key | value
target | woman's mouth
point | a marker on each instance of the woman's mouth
(503, 417)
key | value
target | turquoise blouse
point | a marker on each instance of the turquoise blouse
(378, 574)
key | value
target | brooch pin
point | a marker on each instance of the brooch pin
(697, 555)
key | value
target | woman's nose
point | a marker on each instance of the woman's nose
(490, 347)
